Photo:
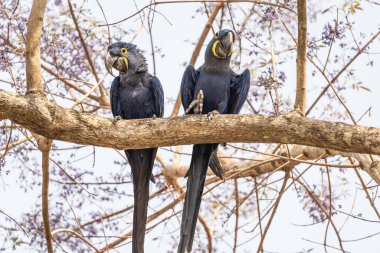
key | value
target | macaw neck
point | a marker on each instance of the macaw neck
(132, 78)
(216, 64)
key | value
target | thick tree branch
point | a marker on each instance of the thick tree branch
(38, 115)
(33, 42)
(300, 103)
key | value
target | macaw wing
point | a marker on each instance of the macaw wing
(189, 80)
(158, 93)
(238, 91)
(115, 98)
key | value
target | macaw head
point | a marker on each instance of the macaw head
(125, 57)
(220, 46)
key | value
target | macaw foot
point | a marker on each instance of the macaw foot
(115, 119)
(197, 104)
(154, 116)
(211, 115)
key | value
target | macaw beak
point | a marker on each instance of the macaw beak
(227, 42)
(117, 62)
(110, 62)
(222, 48)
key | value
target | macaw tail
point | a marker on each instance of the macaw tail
(195, 184)
(141, 162)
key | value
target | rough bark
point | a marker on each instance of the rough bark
(44, 145)
(35, 86)
(37, 114)
(300, 103)
(33, 42)
(256, 167)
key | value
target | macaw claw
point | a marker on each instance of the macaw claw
(116, 119)
(211, 115)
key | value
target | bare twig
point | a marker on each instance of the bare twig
(282, 190)
(105, 19)
(200, 1)
(68, 83)
(15, 221)
(236, 213)
(62, 230)
(330, 205)
(84, 45)
(335, 78)
(366, 191)
(79, 101)
(317, 201)
(150, 28)
(207, 230)
(258, 208)
(44, 145)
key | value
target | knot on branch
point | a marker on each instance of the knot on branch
(295, 113)
(43, 143)
(374, 164)
(35, 93)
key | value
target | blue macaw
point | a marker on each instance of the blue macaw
(213, 88)
(135, 94)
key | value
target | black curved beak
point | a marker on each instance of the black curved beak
(227, 41)
(110, 61)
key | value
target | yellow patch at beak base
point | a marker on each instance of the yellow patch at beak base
(214, 50)
(126, 61)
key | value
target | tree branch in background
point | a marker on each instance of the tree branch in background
(335, 78)
(300, 102)
(199, 1)
(88, 56)
(267, 163)
(282, 191)
(44, 145)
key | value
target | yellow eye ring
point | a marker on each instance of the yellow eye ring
(123, 51)
(216, 35)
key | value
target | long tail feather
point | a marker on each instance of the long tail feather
(141, 162)
(195, 185)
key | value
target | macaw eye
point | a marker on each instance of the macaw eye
(216, 35)
(123, 51)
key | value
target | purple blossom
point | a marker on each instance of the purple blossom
(282, 76)
(330, 33)
(270, 14)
